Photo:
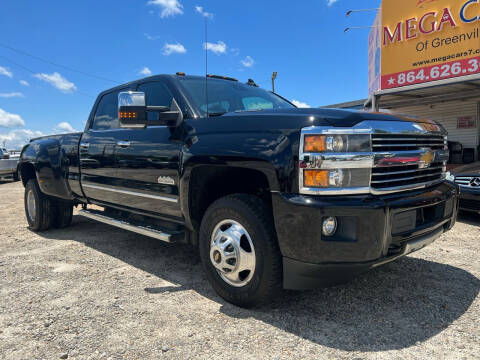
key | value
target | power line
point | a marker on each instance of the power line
(59, 65)
(34, 73)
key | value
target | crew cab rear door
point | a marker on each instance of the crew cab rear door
(148, 161)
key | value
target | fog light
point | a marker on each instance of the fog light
(329, 226)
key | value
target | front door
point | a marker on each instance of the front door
(97, 151)
(148, 161)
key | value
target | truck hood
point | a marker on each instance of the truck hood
(295, 119)
(338, 117)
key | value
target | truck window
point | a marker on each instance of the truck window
(225, 96)
(156, 94)
(256, 103)
(106, 116)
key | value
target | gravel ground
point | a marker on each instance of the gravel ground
(95, 292)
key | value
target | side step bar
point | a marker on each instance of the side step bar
(123, 224)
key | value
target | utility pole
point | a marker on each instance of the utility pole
(274, 76)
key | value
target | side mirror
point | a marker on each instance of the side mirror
(132, 112)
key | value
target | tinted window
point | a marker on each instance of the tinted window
(156, 94)
(225, 95)
(256, 103)
(106, 117)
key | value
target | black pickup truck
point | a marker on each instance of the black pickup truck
(274, 196)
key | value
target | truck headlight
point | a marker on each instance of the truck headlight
(336, 163)
(337, 178)
(336, 143)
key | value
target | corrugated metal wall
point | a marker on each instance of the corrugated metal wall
(447, 114)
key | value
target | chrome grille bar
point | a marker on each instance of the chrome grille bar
(408, 171)
(403, 179)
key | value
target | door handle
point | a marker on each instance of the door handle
(123, 144)
(84, 145)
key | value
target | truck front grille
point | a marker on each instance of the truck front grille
(399, 176)
(400, 142)
(406, 176)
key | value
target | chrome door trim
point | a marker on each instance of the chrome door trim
(123, 144)
(156, 197)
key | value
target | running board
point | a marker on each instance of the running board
(139, 229)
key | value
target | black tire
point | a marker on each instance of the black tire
(16, 176)
(252, 213)
(63, 214)
(44, 207)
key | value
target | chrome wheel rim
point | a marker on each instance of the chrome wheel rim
(31, 205)
(232, 253)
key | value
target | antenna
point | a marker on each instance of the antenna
(206, 61)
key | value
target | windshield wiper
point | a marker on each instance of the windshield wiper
(249, 110)
(217, 113)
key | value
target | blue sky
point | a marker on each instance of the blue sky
(317, 63)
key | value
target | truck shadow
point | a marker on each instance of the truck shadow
(392, 307)
(469, 218)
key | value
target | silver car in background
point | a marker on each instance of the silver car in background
(8, 165)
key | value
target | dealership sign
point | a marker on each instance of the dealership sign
(421, 41)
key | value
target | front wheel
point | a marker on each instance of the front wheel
(239, 250)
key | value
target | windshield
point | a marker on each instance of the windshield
(227, 96)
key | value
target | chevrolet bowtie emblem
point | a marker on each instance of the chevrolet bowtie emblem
(426, 159)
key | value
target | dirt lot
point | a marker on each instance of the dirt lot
(94, 292)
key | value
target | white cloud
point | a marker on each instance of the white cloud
(10, 120)
(15, 139)
(64, 127)
(57, 81)
(331, 2)
(24, 83)
(151, 37)
(145, 71)
(173, 49)
(168, 7)
(11, 95)
(199, 9)
(300, 104)
(219, 48)
(6, 72)
(235, 51)
(248, 61)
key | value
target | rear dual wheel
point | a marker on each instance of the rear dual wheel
(42, 211)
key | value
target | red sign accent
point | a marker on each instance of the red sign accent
(466, 122)
(421, 2)
(432, 73)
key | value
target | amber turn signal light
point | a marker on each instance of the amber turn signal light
(314, 143)
(127, 115)
(315, 178)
